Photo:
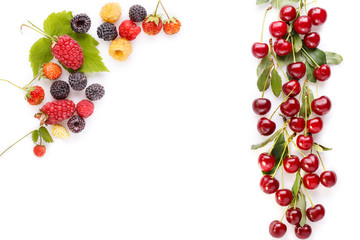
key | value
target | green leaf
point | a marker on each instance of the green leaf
(45, 135)
(258, 2)
(35, 136)
(303, 210)
(276, 83)
(321, 148)
(40, 53)
(297, 42)
(57, 24)
(278, 152)
(316, 54)
(267, 141)
(286, 60)
(283, 2)
(262, 79)
(333, 58)
(310, 97)
(297, 183)
(264, 63)
(310, 72)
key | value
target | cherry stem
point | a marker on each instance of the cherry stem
(293, 49)
(12, 84)
(305, 6)
(322, 163)
(317, 90)
(308, 3)
(281, 158)
(311, 113)
(307, 194)
(16, 143)
(284, 213)
(307, 54)
(164, 9)
(263, 23)
(277, 63)
(267, 78)
(277, 137)
(295, 145)
(278, 10)
(306, 100)
(282, 173)
(287, 96)
(156, 8)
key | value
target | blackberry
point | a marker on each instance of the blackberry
(137, 13)
(77, 81)
(81, 23)
(107, 31)
(94, 92)
(60, 90)
(76, 124)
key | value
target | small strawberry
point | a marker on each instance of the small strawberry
(152, 24)
(39, 150)
(52, 70)
(35, 95)
(171, 25)
(56, 111)
(129, 30)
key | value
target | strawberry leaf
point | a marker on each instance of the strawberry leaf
(40, 53)
(35, 136)
(45, 135)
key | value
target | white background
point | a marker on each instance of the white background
(166, 154)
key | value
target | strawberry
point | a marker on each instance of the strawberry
(152, 24)
(39, 150)
(35, 95)
(51, 70)
(56, 111)
(172, 26)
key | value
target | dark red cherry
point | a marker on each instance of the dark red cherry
(269, 184)
(287, 13)
(314, 125)
(282, 47)
(328, 178)
(304, 142)
(293, 215)
(261, 106)
(291, 164)
(312, 40)
(290, 107)
(315, 213)
(277, 229)
(260, 50)
(265, 126)
(322, 73)
(311, 180)
(321, 105)
(310, 163)
(297, 124)
(266, 162)
(278, 29)
(296, 70)
(303, 24)
(317, 15)
(292, 87)
(283, 197)
(303, 232)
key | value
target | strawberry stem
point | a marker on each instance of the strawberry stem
(156, 8)
(36, 29)
(16, 142)
(12, 84)
(164, 9)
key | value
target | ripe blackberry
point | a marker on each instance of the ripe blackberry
(137, 13)
(76, 124)
(107, 31)
(77, 81)
(81, 23)
(94, 92)
(60, 90)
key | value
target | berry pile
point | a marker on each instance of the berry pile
(294, 47)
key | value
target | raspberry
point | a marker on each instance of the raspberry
(68, 52)
(120, 49)
(60, 90)
(152, 25)
(59, 131)
(56, 111)
(35, 95)
(85, 108)
(52, 70)
(107, 31)
(76, 124)
(172, 26)
(110, 12)
(95, 92)
(137, 13)
(77, 81)
(81, 23)
(129, 30)
(39, 150)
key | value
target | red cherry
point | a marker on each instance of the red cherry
(304, 142)
(277, 229)
(328, 178)
(314, 125)
(317, 15)
(282, 47)
(310, 163)
(303, 232)
(290, 107)
(265, 126)
(278, 29)
(260, 50)
(269, 184)
(321, 105)
(292, 86)
(312, 40)
(311, 180)
(296, 70)
(322, 73)
(293, 216)
(315, 213)
(297, 124)
(266, 162)
(303, 24)
(261, 106)
(283, 197)
(287, 13)
(291, 164)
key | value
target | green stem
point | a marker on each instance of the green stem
(322, 163)
(16, 143)
(164, 10)
(296, 145)
(156, 7)
(27, 85)
(284, 213)
(278, 64)
(281, 158)
(278, 10)
(263, 23)
(305, 6)
(311, 113)
(267, 78)
(12, 84)
(307, 54)
(281, 103)
(307, 194)
(293, 49)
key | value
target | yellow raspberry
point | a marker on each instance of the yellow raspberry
(59, 131)
(110, 12)
(120, 49)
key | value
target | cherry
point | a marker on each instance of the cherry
(260, 50)
(312, 40)
(278, 29)
(297, 124)
(328, 178)
(314, 125)
(303, 232)
(291, 164)
(311, 180)
(315, 213)
(287, 13)
(283, 197)
(266, 162)
(317, 15)
(282, 47)
(303, 24)
(322, 73)
(265, 126)
(277, 229)
(310, 163)
(293, 216)
(321, 105)
(292, 87)
(261, 106)
(269, 184)
(304, 142)
(296, 70)
(290, 107)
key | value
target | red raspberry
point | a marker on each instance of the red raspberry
(129, 30)
(35, 95)
(68, 52)
(39, 150)
(85, 108)
(56, 111)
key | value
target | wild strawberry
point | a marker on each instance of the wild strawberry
(152, 24)
(39, 150)
(52, 70)
(35, 95)
(129, 30)
(172, 26)
(56, 111)
(59, 131)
